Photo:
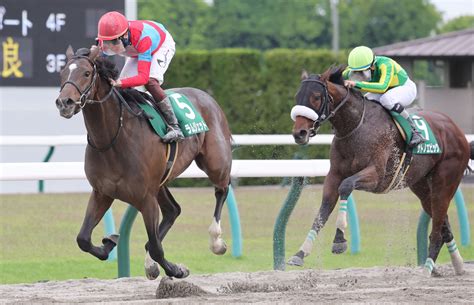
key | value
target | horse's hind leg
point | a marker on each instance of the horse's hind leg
(96, 208)
(217, 166)
(435, 194)
(216, 244)
(170, 210)
(448, 239)
(151, 213)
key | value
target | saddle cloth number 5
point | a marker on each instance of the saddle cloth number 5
(189, 113)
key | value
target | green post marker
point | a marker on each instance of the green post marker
(46, 159)
(123, 248)
(282, 220)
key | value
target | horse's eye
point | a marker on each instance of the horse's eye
(87, 74)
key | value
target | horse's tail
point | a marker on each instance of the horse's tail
(472, 150)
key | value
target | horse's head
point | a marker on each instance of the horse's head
(315, 102)
(78, 81)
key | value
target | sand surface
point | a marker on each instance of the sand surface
(377, 284)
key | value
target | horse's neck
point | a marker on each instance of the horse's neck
(348, 117)
(102, 119)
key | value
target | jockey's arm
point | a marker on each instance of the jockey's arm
(386, 76)
(346, 72)
(144, 64)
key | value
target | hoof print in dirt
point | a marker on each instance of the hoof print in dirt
(170, 288)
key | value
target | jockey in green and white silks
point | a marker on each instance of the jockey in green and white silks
(385, 81)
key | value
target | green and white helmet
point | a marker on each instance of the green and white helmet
(360, 58)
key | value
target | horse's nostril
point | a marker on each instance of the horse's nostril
(69, 102)
(303, 133)
(59, 103)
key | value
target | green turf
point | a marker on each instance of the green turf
(38, 234)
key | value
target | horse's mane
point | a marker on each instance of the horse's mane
(106, 70)
(334, 75)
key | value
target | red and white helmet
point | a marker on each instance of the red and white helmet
(112, 25)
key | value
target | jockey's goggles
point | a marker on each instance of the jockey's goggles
(112, 42)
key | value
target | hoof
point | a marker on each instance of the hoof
(338, 248)
(113, 239)
(183, 272)
(459, 271)
(295, 261)
(426, 272)
(152, 269)
(219, 247)
(436, 273)
(152, 272)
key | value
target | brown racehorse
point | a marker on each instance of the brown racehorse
(125, 160)
(365, 152)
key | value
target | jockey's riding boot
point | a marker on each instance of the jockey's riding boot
(174, 131)
(164, 106)
(416, 137)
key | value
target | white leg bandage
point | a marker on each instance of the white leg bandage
(307, 245)
(456, 258)
(429, 266)
(216, 243)
(341, 221)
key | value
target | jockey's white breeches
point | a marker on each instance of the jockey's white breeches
(404, 95)
(160, 61)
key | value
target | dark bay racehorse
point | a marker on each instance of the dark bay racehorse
(125, 160)
(365, 152)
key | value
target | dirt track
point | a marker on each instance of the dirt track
(378, 284)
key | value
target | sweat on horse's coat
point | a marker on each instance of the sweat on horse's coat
(365, 151)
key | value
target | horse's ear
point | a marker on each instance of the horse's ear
(94, 52)
(304, 74)
(69, 52)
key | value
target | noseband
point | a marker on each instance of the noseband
(83, 100)
(324, 111)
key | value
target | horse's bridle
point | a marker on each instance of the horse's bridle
(324, 113)
(83, 100)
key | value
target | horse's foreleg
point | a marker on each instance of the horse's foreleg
(366, 179)
(96, 208)
(151, 215)
(170, 210)
(329, 201)
(216, 244)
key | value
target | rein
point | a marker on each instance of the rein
(357, 127)
(84, 99)
(114, 139)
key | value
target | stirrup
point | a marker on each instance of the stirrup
(173, 135)
(416, 139)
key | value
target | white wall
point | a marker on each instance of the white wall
(456, 103)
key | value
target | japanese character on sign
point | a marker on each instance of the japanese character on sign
(11, 61)
(25, 23)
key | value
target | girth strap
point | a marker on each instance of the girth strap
(404, 165)
(171, 154)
